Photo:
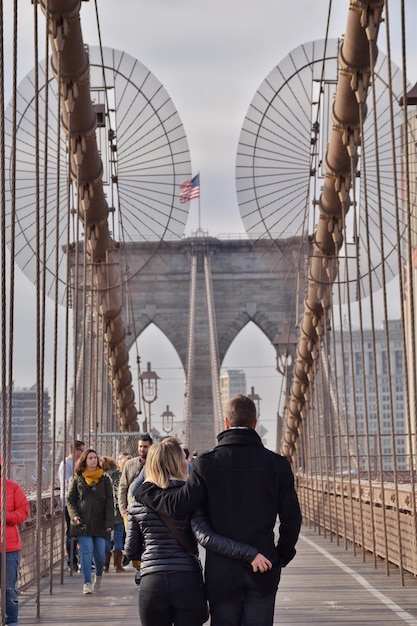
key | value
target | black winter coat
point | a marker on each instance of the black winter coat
(150, 541)
(244, 488)
(93, 505)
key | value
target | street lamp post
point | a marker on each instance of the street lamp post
(149, 390)
(167, 420)
(256, 399)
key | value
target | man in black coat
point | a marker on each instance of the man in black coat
(244, 488)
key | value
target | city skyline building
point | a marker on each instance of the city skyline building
(24, 434)
(232, 382)
(370, 370)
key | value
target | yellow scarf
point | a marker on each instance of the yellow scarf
(92, 478)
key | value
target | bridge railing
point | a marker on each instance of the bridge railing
(378, 517)
(49, 539)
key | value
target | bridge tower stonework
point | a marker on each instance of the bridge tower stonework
(252, 281)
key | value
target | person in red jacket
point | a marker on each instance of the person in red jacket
(17, 511)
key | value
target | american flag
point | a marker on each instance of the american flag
(190, 189)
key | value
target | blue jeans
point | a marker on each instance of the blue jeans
(172, 598)
(253, 610)
(118, 538)
(89, 547)
(12, 600)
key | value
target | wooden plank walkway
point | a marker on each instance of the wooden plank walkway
(324, 585)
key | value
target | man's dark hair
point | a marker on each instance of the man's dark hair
(241, 411)
(76, 445)
(145, 437)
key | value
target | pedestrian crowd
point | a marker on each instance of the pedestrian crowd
(151, 512)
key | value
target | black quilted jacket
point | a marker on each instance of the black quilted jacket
(150, 541)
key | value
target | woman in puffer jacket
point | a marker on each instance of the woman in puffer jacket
(171, 589)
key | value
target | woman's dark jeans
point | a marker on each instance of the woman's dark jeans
(172, 598)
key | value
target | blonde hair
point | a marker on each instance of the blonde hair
(164, 461)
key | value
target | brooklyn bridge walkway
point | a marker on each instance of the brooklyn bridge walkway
(325, 584)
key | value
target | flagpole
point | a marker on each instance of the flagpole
(199, 205)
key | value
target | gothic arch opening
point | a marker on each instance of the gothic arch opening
(154, 347)
(252, 352)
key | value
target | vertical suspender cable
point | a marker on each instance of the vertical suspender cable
(188, 400)
(407, 349)
(44, 214)
(39, 378)
(214, 351)
(58, 209)
(338, 402)
(333, 205)
(6, 348)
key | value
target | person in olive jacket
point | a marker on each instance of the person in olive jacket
(90, 507)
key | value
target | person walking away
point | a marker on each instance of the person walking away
(110, 468)
(244, 488)
(131, 470)
(65, 473)
(171, 583)
(17, 511)
(91, 510)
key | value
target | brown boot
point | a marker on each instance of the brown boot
(107, 562)
(117, 557)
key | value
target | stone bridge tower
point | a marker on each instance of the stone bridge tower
(251, 281)
(192, 286)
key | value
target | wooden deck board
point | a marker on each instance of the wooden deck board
(318, 587)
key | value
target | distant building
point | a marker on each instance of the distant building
(372, 396)
(232, 382)
(24, 422)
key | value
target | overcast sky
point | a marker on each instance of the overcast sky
(211, 58)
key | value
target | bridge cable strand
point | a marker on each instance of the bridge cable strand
(368, 406)
(385, 309)
(190, 364)
(214, 349)
(7, 315)
(40, 303)
(353, 83)
(54, 455)
(122, 250)
(410, 374)
(386, 326)
(93, 209)
(111, 133)
(41, 427)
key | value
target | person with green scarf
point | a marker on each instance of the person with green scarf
(90, 507)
